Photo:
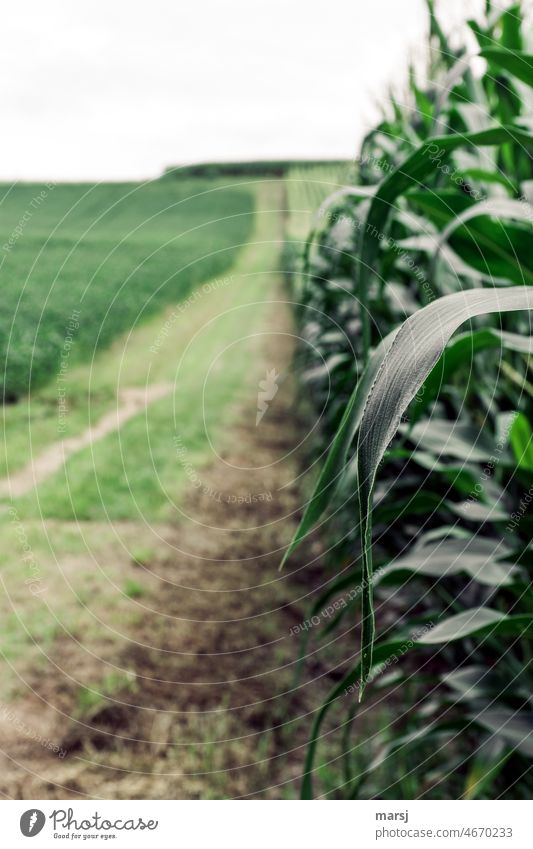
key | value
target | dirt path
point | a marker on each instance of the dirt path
(130, 402)
(201, 696)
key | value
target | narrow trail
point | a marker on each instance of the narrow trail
(211, 703)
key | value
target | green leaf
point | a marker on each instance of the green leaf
(479, 622)
(481, 175)
(454, 75)
(383, 653)
(408, 175)
(416, 349)
(436, 30)
(476, 622)
(521, 438)
(514, 727)
(469, 683)
(511, 23)
(336, 460)
(489, 760)
(426, 732)
(445, 438)
(483, 38)
(475, 511)
(491, 247)
(463, 625)
(459, 353)
(476, 556)
(519, 64)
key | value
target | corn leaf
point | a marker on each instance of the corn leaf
(521, 439)
(416, 349)
(410, 174)
(519, 64)
(336, 460)
(476, 556)
(383, 653)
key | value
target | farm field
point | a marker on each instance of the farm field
(266, 486)
(91, 261)
(150, 553)
(97, 261)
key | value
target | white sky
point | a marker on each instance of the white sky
(119, 89)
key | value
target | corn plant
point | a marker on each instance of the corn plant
(416, 303)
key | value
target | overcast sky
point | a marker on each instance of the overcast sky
(118, 89)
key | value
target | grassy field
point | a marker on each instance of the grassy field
(194, 349)
(307, 187)
(145, 628)
(160, 331)
(134, 471)
(87, 263)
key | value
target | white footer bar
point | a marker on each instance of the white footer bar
(268, 825)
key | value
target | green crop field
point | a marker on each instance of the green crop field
(307, 187)
(84, 262)
(267, 467)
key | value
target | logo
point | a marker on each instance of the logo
(32, 822)
(267, 392)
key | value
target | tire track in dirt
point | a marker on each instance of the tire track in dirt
(130, 402)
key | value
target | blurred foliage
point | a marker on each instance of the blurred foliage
(439, 204)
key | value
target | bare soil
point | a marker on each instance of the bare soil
(202, 697)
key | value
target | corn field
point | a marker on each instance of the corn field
(416, 303)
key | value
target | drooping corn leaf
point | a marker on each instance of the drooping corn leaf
(336, 459)
(478, 622)
(416, 349)
(383, 653)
